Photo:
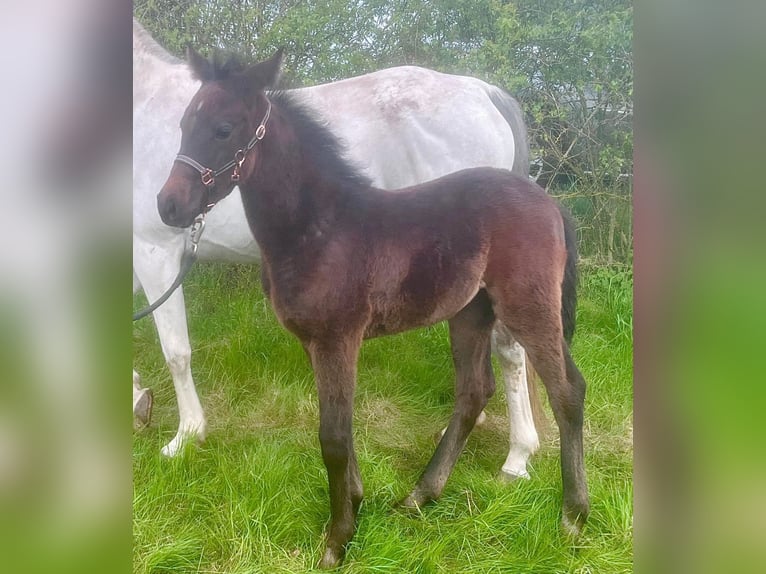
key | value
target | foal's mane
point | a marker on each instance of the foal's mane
(318, 141)
(225, 65)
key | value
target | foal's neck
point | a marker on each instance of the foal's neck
(301, 184)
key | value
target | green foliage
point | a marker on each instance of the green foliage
(612, 288)
(569, 62)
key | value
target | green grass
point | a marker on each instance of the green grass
(254, 498)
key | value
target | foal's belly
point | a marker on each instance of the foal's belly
(419, 304)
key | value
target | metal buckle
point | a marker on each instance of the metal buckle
(196, 231)
(239, 157)
(260, 132)
(208, 179)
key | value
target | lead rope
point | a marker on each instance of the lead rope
(187, 260)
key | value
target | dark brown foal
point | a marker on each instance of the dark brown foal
(343, 261)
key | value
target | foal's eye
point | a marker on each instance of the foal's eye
(223, 132)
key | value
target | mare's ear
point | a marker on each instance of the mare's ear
(264, 74)
(200, 66)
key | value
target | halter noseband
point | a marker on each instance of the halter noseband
(208, 175)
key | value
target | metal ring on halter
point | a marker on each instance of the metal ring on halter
(208, 175)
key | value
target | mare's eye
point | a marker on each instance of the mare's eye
(223, 132)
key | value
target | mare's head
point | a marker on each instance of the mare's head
(220, 130)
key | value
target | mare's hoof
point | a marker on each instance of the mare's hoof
(508, 476)
(331, 559)
(183, 440)
(142, 409)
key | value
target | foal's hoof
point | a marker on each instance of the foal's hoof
(193, 437)
(413, 503)
(331, 559)
(572, 521)
(142, 408)
(409, 503)
(480, 420)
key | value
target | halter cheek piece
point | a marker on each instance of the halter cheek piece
(208, 175)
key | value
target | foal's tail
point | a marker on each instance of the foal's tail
(569, 284)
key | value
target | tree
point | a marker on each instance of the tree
(569, 62)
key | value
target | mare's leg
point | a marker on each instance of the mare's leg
(523, 435)
(156, 268)
(335, 372)
(470, 333)
(142, 403)
(533, 316)
(142, 398)
(520, 395)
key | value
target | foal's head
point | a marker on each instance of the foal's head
(220, 130)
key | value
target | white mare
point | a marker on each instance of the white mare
(402, 126)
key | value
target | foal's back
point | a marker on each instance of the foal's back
(459, 211)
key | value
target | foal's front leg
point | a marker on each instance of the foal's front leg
(335, 372)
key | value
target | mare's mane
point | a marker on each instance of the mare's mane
(151, 46)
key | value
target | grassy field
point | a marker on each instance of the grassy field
(253, 498)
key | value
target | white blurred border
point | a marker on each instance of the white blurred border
(65, 185)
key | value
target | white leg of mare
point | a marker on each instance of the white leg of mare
(156, 268)
(142, 398)
(142, 403)
(523, 435)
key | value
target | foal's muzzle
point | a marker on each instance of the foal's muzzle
(182, 198)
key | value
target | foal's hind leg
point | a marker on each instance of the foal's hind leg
(537, 326)
(470, 332)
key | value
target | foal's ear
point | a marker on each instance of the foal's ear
(201, 67)
(264, 74)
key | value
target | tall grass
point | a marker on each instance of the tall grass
(254, 498)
